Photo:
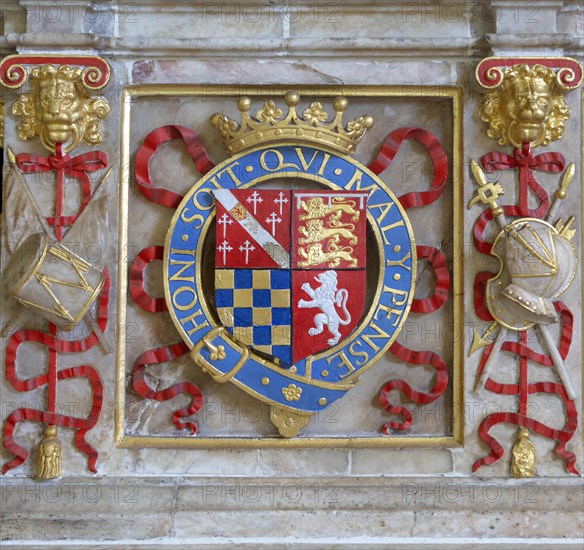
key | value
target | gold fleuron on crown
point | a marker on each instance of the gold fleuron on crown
(310, 128)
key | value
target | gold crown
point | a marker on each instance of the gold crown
(269, 125)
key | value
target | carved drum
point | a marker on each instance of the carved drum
(49, 278)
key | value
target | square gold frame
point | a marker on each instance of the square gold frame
(129, 94)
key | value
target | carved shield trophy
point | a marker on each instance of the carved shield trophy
(291, 213)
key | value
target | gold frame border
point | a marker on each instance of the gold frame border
(455, 94)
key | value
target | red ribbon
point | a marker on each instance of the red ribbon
(523, 389)
(75, 167)
(170, 199)
(148, 303)
(560, 436)
(525, 161)
(438, 263)
(160, 355)
(414, 358)
(437, 155)
(79, 424)
(155, 139)
(54, 344)
(480, 284)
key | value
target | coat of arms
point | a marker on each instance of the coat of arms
(297, 228)
(290, 289)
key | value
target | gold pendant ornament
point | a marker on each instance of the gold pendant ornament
(523, 455)
(49, 457)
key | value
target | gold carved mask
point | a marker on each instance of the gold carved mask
(58, 109)
(528, 106)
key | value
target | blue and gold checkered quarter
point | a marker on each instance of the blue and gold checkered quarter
(255, 306)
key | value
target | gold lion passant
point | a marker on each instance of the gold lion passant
(316, 208)
(315, 231)
(315, 255)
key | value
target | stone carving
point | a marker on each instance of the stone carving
(525, 108)
(528, 106)
(538, 264)
(58, 109)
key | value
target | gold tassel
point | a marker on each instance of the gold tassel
(49, 458)
(523, 455)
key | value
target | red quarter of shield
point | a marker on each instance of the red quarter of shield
(327, 305)
(329, 229)
(253, 228)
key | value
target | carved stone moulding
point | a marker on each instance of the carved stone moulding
(13, 73)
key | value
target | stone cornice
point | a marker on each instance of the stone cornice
(436, 29)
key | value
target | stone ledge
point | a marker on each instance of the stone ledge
(319, 543)
(385, 512)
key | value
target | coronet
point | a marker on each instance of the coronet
(311, 127)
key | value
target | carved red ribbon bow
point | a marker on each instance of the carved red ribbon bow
(526, 162)
(74, 167)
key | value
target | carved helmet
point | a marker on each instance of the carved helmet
(538, 265)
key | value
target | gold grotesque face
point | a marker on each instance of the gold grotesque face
(62, 114)
(528, 105)
(526, 108)
(59, 110)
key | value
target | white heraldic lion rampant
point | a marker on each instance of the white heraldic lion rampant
(325, 297)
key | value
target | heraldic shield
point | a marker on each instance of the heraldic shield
(290, 268)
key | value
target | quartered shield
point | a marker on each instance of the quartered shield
(290, 268)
